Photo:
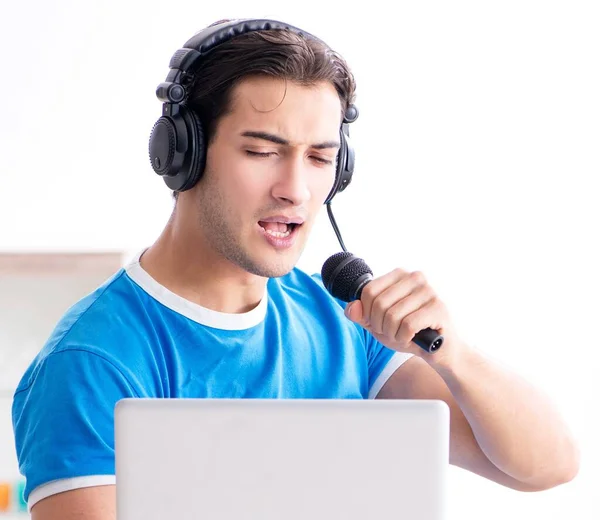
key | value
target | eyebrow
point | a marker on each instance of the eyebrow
(280, 140)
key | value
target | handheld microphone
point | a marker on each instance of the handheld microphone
(345, 275)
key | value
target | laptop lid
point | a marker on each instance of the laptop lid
(273, 459)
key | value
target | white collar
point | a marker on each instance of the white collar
(191, 310)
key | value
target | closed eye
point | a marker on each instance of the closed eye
(322, 161)
(251, 153)
(259, 154)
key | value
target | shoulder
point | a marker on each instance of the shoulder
(300, 293)
(303, 285)
(101, 324)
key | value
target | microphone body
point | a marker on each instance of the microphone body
(345, 276)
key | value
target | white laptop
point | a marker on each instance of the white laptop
(274, 459)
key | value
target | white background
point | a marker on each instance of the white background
(478, 162)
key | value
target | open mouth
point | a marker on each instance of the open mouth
(278, 229)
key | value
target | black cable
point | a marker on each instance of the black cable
(335, 228)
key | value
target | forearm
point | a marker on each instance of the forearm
(515, 425)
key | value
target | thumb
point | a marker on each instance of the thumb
(354, 311)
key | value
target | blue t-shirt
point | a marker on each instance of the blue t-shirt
(133, 337)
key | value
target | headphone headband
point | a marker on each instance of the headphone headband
(204, 41)
(177, 147)
(187, 60)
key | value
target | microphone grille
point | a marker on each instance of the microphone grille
(331, 264)
(341, 284)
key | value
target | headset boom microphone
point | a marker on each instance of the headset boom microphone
(344, 276)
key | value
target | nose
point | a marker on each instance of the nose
(292, 182)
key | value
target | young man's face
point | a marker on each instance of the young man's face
(268, 171)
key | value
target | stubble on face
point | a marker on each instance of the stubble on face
(224, 234)
(229, 205)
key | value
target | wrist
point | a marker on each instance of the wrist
(450, 358)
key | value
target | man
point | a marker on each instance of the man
(216, 308)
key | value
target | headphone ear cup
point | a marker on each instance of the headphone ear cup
(344, 165)
(194, 168)
(177, 149)
(167, 146)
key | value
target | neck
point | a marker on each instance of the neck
(182, 261)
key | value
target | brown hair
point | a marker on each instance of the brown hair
(275, 53)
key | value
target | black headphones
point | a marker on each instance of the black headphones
(177, 144)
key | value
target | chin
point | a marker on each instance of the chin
(275, 269)
(279, 265)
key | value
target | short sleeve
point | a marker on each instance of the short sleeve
(63, 419)
(382, 362)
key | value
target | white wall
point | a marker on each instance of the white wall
(477, 164)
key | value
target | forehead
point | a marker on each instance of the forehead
(298, 111)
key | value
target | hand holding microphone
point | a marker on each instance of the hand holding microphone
(397, 307)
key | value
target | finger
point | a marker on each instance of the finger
(427, 316)
(396, 313)
(391, 295)
(375, 287)
(354, 312)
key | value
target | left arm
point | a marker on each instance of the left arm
(501, 427)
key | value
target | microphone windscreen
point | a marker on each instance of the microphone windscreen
(342, 273)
